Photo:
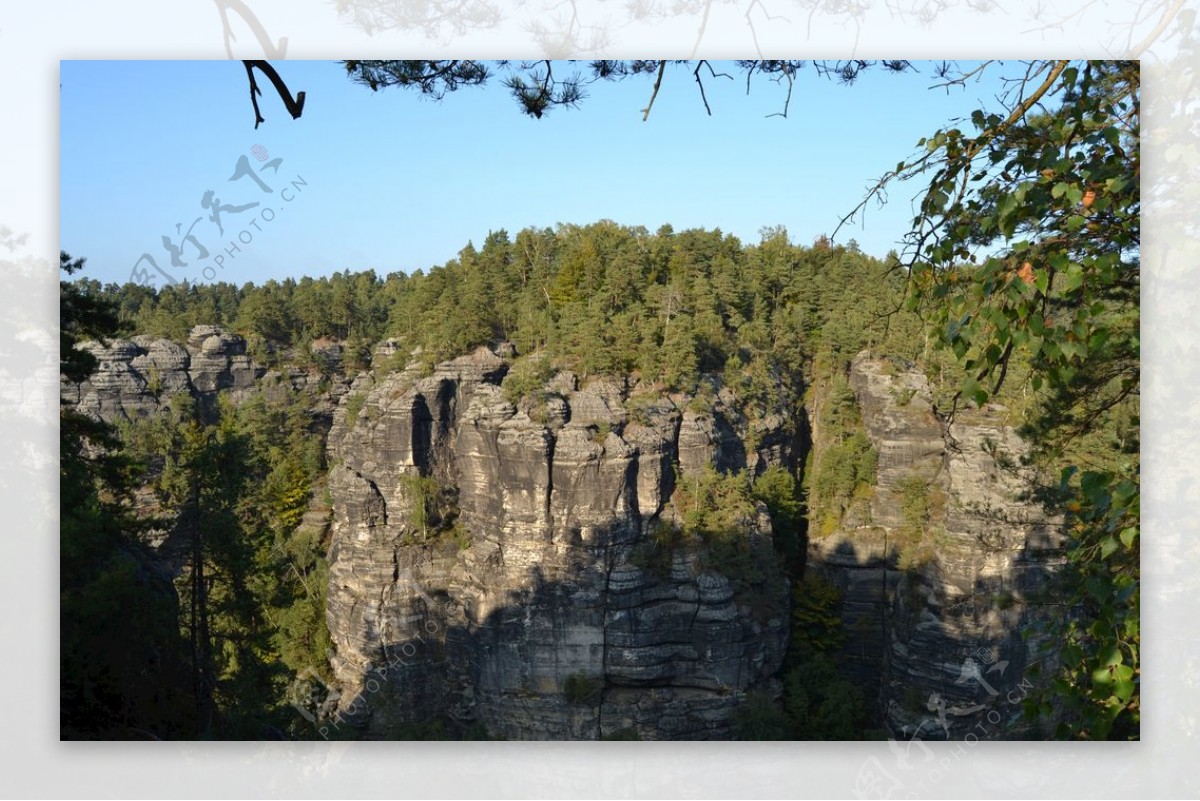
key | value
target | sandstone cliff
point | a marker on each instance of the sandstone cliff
(509, 563)
(940, 566)
(136, 377)
(535, 618)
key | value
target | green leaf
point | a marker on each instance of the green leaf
(1093, 483)
(1128, 535)
(972, 390)
(1073, 278)
(1041, 279)
(1098, 587)
(1107, 546)
(1073, 349)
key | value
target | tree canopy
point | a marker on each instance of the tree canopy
(1023, 257)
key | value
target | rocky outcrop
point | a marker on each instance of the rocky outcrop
(934, 608)
(137, 377)
(532, 608)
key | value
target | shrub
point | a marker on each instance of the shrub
(581, 689)
(760, 718)
(822, 705)
(777, 488)
(526, 376)
(816, 615)
(354, 405)
(656, 552)
(627, 733)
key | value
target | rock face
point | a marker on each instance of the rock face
(137, 377)
(934, 617)
(532, 614)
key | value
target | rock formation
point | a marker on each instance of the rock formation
(136, 377)
(935, 615)
(535, 619)
(507, 561)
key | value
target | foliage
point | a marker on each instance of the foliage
(777, 488)
(1025, 252)
(525, 377)
(718, 508)
(816, 616)
(355, 402)
(538, 90)
(760, 718)
(818, 703)
(821, 704)
(846, 466)
(254, 587)
(668, 306)
(1099, 673)
(422, 493)
(581, 689)
(916, 504)
(655, 553)
(123, 668)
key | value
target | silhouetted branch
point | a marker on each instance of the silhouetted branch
(295, 106)
(662, 66)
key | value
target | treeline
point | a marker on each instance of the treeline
(601, 298)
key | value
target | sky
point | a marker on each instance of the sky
(393, 181)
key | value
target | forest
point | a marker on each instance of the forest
(1045, 328)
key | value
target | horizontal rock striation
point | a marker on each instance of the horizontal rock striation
(518, 600)
(137, 377)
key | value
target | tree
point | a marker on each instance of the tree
(538, 89)
(122, 669)
(1025, 252)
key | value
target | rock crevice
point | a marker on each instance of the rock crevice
(538, 620)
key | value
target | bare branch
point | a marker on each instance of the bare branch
(787, 73)
(662, 66)
(700, 83)
(294, 106)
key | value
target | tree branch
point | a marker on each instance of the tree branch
(662, 67)
(294, 106)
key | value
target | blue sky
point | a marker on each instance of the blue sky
(393, 181)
